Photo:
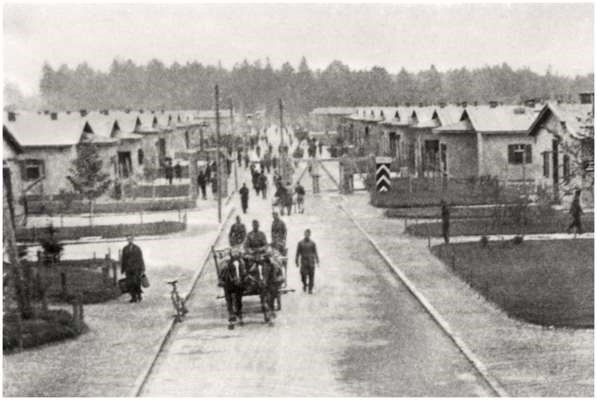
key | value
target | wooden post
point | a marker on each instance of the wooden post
(114, 272)
(106, 268)
(218, 164)
(63, 284)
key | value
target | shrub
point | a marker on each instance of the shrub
(518, 239)
(484, 241)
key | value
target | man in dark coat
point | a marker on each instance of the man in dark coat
(202, 183)
(255, 239)
(445, 221)
(178, 171)
(238, 233)
(244, 197)
(262, 181)
(306, 252)
(168, 172)
(133, 267)
(576, 212)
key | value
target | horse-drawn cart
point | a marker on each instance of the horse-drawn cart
(256, 273)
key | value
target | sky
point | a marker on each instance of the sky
(538, 36)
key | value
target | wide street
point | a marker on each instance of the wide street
(360, 333)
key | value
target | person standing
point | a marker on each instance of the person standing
(246, 159)
(263, 184)
(320, 145)
(133, 267)
(306, 252)
(576, 212)
(178, 171)
(238, 233)
(445, 212)
(244, 197)
(256, 239)
(214, 187)
(202, 182)
(258, 151)
(168, 172)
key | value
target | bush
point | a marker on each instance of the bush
(82, 207)
(49, 326)
(517, 239)
(484, 241)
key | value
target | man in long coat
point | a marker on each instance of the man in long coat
(279, 233)
(133, 267)
(244, 197)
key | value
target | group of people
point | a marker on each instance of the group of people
(306, 258)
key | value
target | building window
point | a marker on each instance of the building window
(140, 156)
(546, 157)
(520, 153)
(33, 170)
(566, 168)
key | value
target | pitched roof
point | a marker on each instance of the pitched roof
(333, 111)
(11, 141)
(501, 119)
(577, 118)
(449, 114)
(463, 126)
(40, 130)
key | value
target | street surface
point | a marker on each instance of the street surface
(361, 332)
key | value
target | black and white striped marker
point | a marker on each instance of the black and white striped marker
(382, 174)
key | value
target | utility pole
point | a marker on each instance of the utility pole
(218, 164)
(233, 138)
(282, 149)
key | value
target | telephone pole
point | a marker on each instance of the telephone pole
(218, 164)
(282, 149)
(233, 139)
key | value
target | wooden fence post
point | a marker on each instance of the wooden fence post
(106, 268)
(63, 283)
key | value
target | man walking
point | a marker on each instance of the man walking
(306, 251)
(238, 233)
(244, 197)
(133, 267)
(202, 183)
(263, 184)
(576, 212)
(300, 198)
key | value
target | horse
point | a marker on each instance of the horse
(261, 280)
(231, 279)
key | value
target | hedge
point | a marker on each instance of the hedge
(114, 207)
(104, 231)
(144, 191)
(433, 212)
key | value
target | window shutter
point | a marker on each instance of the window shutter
(511, 149)
(528, 154)
(42, 168)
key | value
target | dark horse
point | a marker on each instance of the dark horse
(232, 280)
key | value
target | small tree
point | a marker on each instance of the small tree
(87, 175)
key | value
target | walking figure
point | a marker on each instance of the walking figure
(202, 183)
(238, 233)
(306, 252)
(576, 212)
(133, 267)
(178, 171)
(244, 197)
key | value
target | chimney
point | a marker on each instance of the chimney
(12, 116)
(54, 116)
(530, 103)
(128, 111)
(68, 112)
(442, 104)
(464, 104)
(141, 111)
(475, 103)
(396, 104)
(493, 104)
(83, 112)
(46, 112)
(407, 104)
(421, 105)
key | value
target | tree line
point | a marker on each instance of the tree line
(257, 85)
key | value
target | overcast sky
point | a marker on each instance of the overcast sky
(360, 35)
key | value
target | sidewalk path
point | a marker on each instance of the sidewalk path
(528, 360)
(106, 360)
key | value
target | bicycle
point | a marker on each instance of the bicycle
(177, 302)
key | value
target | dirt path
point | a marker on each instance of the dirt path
(361, 332)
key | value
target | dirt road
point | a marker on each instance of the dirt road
(361, 332)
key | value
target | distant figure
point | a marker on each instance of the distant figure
(244, 197)
(320, 145)
(306, 252)
(445, 211)
(238, 233)
(239, 156)
(576, 212)
(208, 173)
(178, 171)
(168, 172)
(133, 267)
(258, 151)
(275, 162)
(262, 182)
(279, 233)
(214, 187)
(202, 183)
(300, 197)
(246, 160)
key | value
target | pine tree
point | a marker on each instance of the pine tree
(87, 176)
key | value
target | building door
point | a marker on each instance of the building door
(556, 169)
(125, 165)
(161, 144)
(430, 155)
